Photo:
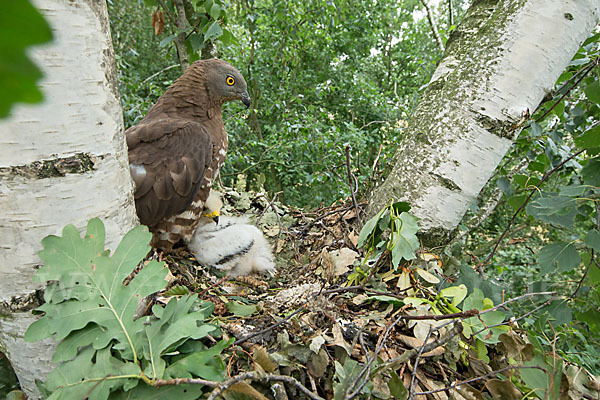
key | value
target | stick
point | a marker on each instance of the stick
(352, 182)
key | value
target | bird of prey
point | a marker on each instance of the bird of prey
(231, 244)
(177, 149)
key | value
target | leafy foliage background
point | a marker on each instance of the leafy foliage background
(321, 74)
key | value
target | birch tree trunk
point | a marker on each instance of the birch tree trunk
(64, 161)
(498, 65)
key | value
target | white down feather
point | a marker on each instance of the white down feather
(234, 246)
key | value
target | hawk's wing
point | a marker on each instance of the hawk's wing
(167, 160)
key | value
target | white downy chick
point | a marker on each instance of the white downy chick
(231, 244)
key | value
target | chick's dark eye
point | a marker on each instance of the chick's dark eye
(230, 80)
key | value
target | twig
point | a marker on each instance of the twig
(370, 123)
(217, 283)
(434, 29)
(410, 354)
(589, 67)
(587, 269)
(351, 182)
(311, 223)
(512, 321)
(160, 72)
(478, 378)
(413, 378)
(501, 305)
(376, 161)
(514, 217)
(255, 376)
(370, 360)
(267, 329)
(168, 11)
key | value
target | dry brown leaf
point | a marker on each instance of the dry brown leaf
(501, 390)
(245, 390)
(338, 338)
(158, 22)
(342, 260)
(353, 237)
(262, 358)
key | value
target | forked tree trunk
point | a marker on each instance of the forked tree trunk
(62, 162)
(498, 65)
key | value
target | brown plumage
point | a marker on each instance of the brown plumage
(176, 151)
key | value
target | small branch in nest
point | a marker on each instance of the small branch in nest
(339, 210)
(217, 283)
(255, 376)
(478, 378)
(410, 354)
(353, 182)
(413, 377)
(267, 329)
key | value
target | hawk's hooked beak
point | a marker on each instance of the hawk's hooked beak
(245, 98)
(213, 215)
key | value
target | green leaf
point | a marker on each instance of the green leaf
(590, 138)
(241, 310)
(172, 324)
(196, 41)
(591, 317)
(344, 376)
(526, 181)
(227, 38)
(479, 323)
(368, 229)
(21, 26)
(536, 379)
(554, 209)
(592, 92)
(457, 293)
(504, 186)
(397, 388)
(213, 32)
(85, 376)
(516, 201)
(215, 11)
(561, 312)
(473, 281)
(179, 392)
(167, 40)
(202, 363)
(591, 172)
(592, 239)
(561, 255)
(82, 263)
(401, 206)
(406, 242)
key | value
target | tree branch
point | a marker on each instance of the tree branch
(434, 29)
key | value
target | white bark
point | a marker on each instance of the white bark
(62, 162)
(498, 65)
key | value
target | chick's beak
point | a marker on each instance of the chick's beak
(245, 98)
(216, 219)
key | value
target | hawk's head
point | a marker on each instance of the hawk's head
(223, 81)
(212, 208)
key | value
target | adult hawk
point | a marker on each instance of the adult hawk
(176, 151)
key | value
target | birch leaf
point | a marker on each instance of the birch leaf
(406, 242)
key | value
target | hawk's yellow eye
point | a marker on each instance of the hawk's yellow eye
(230, 80)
